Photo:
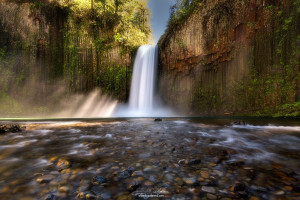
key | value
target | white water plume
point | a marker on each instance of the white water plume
(143, 78)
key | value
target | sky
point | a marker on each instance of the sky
(160, 15)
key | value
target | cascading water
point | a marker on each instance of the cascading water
(143, 80)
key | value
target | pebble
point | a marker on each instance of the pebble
(190, 181)
(239, 187)
(169, 177)
(137, 173)
(64, 189)
(97, 180)
(148, 183)
(148, 169)
(279, 192)
(288, 188)
(194, 162)
(208, 189)
(51, 197)
(211, 196)
(163, 191)
(133, 185)
(45, 179)
(181, 161)
(179, 181)
(124, 174)
(204, 174)
(63, 164)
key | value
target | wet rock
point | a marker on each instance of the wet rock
(211, 196)
(179, 181)
(236, 163)
(64, 189)
(90, 196)
(191, 181)
(296, 188)
(87, 195)
(51, 197)
(14, 128)
(124, 174)
(208, 189)
(163, 191)
(158, 119)
(130, 170)
(279, 192)
(181, 161)
(148, 183)
(204, 174)
(288, 188)
(169, 177)
(239, 187)
(63, 164)
(133, 185)
(98, 180)
(148, 169)
(238, 123)
(137, 173)
(45, 179)
(84, 185)
(194, 161)
(212, 183)
(3, 129)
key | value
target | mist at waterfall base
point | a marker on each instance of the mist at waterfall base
(143, 100)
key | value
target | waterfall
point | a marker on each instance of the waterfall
(143, 79)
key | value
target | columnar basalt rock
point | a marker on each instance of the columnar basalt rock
(208, 63)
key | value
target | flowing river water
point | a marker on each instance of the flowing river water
(177, 158)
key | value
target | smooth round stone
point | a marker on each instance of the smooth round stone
(288, 188)
(211, 196)
(212, 164)
(179, 181)
(51, 197)
(163, 191)
(45, 179)
(190, 181)
(148, 183)
(64, 189)
(219, 173)
(90, 196)
(137, 173)
(208, 189)
(279, 192)
(138, 164)
(204, 174)
(169, 177)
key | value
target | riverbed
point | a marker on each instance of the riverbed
(139, 158)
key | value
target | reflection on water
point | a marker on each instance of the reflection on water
(175, 158)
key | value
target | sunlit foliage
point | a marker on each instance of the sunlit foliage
(123, 21)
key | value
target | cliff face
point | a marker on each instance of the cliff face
(43, 47)
(232, 57)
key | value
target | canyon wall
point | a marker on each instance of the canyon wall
(233, 57)
(44, 49)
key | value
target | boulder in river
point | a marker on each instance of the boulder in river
(158, 119)
(14, 128)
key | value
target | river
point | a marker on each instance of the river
(138, 158)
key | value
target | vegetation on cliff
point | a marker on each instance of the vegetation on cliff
(76, 45)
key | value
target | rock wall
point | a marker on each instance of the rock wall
(232, 57)
(41, 49)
